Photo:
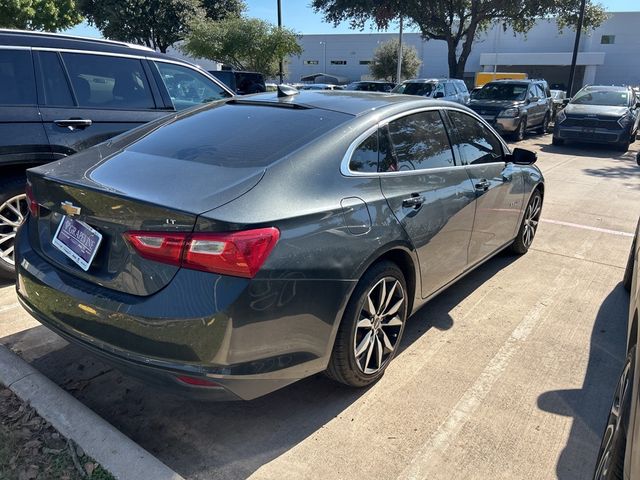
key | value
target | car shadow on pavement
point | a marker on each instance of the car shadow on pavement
(589, 405)
(583, 149)
(221, 440)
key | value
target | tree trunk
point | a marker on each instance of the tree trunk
(457, 64)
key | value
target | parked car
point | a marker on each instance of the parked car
(514, 106)
(184, 250)
(371, 86)
(438, 88)
(600, 114)
(558, 97)
(320, 86)
(62, 94)
(619, 453)
(242, 83)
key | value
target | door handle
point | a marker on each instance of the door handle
(483, 185)
(74, 123)
(415, 201)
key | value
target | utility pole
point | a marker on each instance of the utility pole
(280, 64)
(574, 58)
(399, 69)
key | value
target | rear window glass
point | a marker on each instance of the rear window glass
(17, 82)
(239, 136)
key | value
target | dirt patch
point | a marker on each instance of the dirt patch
(31, 449)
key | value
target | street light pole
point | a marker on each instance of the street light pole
(576, 44)
(399, 69)
(280, 64)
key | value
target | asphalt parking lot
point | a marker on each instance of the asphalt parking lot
(508, 374)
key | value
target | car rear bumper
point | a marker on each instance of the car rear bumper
(250, 337)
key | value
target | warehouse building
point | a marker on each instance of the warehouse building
(609, 54)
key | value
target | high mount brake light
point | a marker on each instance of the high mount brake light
(239, 254)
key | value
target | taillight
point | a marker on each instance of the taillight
(158, 246)
(239, 254)
(32, 204)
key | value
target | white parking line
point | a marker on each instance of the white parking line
(587, 227)
(6, 308)
(430, 454)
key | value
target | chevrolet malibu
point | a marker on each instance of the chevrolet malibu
(235, 248)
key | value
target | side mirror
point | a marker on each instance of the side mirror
(438, 95)
(565, 101)
(520, 156)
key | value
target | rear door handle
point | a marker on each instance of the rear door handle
(415, 201)
(483, 185)
(74, 123)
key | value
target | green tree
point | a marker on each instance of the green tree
(217, 9)
(246, 43)
(155, 23)
(457, 22)
(385, 61)
(48, 15)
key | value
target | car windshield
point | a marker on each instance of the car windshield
(356, 86)
(414, 88)
(502, 91)
(613, 98)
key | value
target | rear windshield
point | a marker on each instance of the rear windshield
(502, 91)
(409, 88)
(612, 98)
(239, 135)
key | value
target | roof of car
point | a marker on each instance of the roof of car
(613, 88)
(343, 101)
(22, 38)
(428, 80)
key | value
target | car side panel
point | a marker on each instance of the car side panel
(22, 137)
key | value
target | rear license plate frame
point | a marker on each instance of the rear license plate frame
(79, 242)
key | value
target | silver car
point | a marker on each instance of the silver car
(450, 89)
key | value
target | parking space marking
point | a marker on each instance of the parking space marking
(431, 452)
(587, 227)
(6, 308)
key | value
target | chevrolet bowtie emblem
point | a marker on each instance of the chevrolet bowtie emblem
(70, 209)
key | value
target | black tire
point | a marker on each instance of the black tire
(529, 225)
(10, 188)
(544, 127)
(518, 135)
(344, 365)
(628, 271)
(610, 460)
(557, 141)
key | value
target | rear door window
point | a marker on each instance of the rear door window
(417, 142)
(474, 141)
(449, 89)
(55, 88)
(103, 81)
(187, 87)
(17, 78)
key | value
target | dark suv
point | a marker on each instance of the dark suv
(371, 86)
(514, 106)
(61, 94)
(605, 114)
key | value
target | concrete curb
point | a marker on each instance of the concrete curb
(122, 457)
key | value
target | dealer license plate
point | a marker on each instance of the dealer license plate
(78, 241)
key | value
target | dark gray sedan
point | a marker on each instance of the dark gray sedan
(238, 247)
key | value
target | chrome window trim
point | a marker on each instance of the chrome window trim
(346, 159)
(9, 47)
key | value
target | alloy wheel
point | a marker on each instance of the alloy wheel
(12, 214)
(531, 219)
(613, 427)
(380, 323)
